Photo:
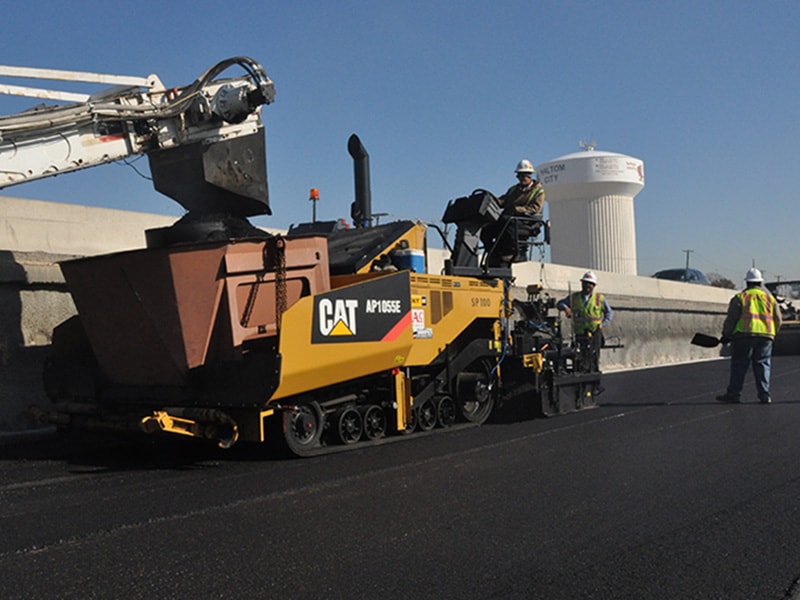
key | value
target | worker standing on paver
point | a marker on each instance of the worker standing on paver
(590, 314)
(753, 320)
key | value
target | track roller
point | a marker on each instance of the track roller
(348, 425)
(374, 420)
(445, 411)
(426, 415)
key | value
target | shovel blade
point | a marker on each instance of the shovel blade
(706, 341)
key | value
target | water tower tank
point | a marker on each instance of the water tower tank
(590, 196)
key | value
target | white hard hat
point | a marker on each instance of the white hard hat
(589, 277)
(524, 166)
(754, 276)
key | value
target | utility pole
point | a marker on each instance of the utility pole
(688, 252)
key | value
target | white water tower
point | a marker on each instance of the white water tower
(590, 196)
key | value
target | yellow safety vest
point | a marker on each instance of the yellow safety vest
(586, 317)
(529, 199)
(757, 313)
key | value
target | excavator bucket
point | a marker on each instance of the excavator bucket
(224, 177)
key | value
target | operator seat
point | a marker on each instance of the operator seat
(526, 229)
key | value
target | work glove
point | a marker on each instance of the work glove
(725, 339)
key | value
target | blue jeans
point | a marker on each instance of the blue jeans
(744, 351)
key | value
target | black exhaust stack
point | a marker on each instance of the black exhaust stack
(361, 209)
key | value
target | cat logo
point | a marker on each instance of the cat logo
(376, 310)
(337, 316)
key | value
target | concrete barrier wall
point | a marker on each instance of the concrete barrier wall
(33, 300)
(69, 229)
(654, 319)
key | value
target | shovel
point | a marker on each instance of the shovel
(706, 341)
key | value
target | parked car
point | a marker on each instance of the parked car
(685, 275)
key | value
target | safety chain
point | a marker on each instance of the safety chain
(275, 261)
(279, 265)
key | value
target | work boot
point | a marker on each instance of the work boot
(726, 397)
(766, 400)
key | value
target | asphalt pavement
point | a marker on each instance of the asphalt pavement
(660, 492)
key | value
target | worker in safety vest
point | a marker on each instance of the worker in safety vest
(753, 319)
(589, 311)
(523, 199)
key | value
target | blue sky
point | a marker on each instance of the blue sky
(448, 96)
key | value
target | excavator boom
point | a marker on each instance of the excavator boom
(211, 129)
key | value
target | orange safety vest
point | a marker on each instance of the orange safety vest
(757, 313)
(586, 317)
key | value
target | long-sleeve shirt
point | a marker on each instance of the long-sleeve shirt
(523, 199)
(735, 313)
(608, 314)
